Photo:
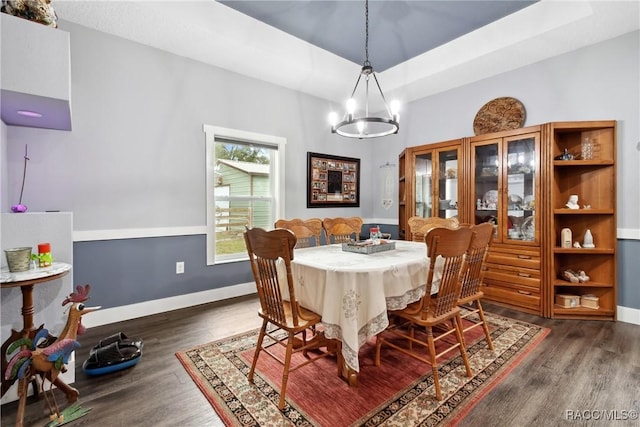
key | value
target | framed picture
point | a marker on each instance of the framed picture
(332, 181)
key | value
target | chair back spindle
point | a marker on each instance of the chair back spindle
(307, 231)
(474, 261)
(447, 246)
(342, 230)
(419, 226)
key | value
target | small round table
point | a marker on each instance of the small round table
(26, 280)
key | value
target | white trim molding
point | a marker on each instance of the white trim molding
(136, 233)
(147, 308)
(383, 221)
(629, 315)
(628, 234)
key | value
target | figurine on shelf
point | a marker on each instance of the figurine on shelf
(573, 202)
(566, 155)
(574, 276)
(588, 240)
(565, 238)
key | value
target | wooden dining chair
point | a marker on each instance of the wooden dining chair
(433, 310)
(472, 276)
(268, 250)
(307, 231)
(419, 226)
(342, 230)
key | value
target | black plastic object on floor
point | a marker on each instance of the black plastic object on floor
(112, 354)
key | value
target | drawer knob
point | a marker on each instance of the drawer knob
(524, 275)
(524, 292)
(524, 256)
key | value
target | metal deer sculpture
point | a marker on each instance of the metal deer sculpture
(38, 356)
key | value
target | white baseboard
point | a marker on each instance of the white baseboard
(629, 315)
(147, 308)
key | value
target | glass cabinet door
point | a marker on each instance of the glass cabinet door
(423, 191)
(447, 183)
(520, 188)
(505, 185)
(486, 179)
(436, 183)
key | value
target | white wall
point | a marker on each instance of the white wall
(4, 196)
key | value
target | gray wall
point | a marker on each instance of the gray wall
(629, 273)
(135, 157)
(131, 271)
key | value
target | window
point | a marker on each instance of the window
(245, 188)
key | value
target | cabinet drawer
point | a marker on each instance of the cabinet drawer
(525, 286)
(509, 274)
(516, 257)
(511, 297)
(515, 260)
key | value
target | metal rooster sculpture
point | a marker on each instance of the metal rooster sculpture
(38, 356)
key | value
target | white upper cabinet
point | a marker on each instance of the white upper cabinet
(35, 75)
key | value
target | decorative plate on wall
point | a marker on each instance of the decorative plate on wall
(499, 114)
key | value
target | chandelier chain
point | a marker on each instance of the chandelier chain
(366, 31)
(354, 126)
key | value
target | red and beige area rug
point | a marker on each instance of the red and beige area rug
(399, 393)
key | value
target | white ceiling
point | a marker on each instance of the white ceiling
(213, 33)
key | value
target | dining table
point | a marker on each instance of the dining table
(353, 291)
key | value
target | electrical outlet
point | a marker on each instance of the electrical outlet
(180, 267)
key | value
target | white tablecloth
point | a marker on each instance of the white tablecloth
(353, 291)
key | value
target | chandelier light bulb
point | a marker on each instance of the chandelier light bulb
(395, 107)
(351, 106)
(333, 118)
(360, 126)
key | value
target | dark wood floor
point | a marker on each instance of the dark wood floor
(580, 366)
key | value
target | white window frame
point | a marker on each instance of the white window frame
(276, 172)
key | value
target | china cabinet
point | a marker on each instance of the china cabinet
(505, 183)
(521, 181)
(429, 182)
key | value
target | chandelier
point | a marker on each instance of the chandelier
(366, 126)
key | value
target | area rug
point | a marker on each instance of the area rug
(398, 393)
